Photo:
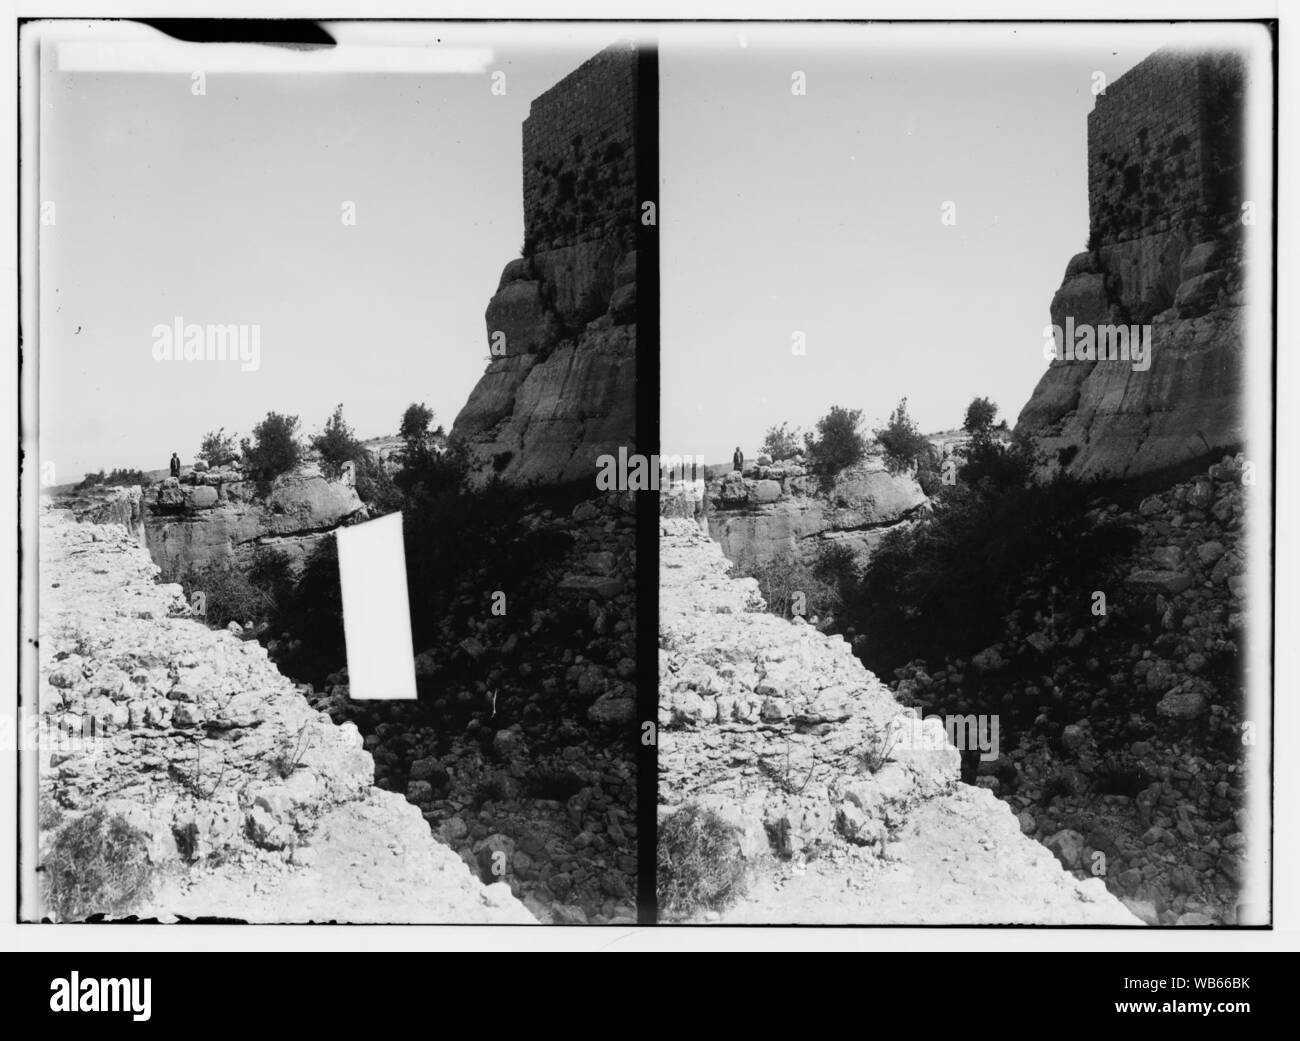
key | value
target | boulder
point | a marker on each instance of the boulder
(1074, 737)
(1209, 552)
(170, 496)
(1152, 581)
(201, 497)
(602, 587)
(579, 279)
(1167, 557)
(1197, 295)
(1067, 846)
(1201, 259)
(518, 270)
(622, 305)
(518, 321)
(731, 491)
(612, 710)
(1182, 704)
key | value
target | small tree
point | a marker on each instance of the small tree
(838, 442)
(780, 442)
(218, 448)
(904, 445)
(980, 415)
(375, 487)
(336, 443)
(1002, 465)
(414, 432)
(414, 427)
(275, 448)
(422, 467)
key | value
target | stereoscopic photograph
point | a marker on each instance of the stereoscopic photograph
(673, 474)
(331, 338)
(964, 562)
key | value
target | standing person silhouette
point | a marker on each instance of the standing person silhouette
(738, 460)
(175, 465)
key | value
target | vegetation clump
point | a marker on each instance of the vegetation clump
(837, 444)
(700, 863)
(98, 863)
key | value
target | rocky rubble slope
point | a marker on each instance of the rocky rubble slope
(851, 811)
(1122, 732)
(521, 753)
(253, 805)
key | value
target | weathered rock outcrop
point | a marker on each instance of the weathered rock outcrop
(107, 505)
(560, 388)
(781, 510)
(851, 811)
(250, 804)
(220, 515)
(1165, 253)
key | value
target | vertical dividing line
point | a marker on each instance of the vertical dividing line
(647, 437)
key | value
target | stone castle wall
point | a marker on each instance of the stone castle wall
(1163, 146)
(560, 389)
(580, 156)
(1164, 256)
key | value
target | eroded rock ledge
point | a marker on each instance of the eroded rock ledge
(222, 516)
(253, 805)
(772, 725)
(782, 510)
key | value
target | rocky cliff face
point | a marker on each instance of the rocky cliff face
(219, 515)
(1165, 253)
(249, 804)
(781, 510)
(559, 390)
(848, 812)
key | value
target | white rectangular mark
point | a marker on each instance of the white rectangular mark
(376, 610)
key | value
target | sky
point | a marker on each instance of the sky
(821, 214)
(780, 215)
(226, 208)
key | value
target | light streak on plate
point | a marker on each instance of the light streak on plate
(376, 610)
